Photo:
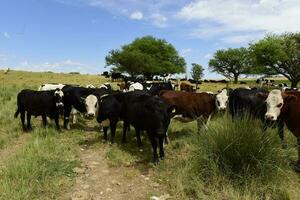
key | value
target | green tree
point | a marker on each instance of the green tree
(231, 63)
(197, 73)
(146, 55)
(279, 54)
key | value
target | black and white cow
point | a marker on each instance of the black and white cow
(84, 100)
(155, 88)
(39, 103)
(244, 102)
(141, 110)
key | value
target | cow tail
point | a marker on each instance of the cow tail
(17, 112)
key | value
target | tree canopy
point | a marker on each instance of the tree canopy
(197, 72)
(279, 54)
(231, 63)
(146, 55)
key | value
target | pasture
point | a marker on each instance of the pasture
(229, 161)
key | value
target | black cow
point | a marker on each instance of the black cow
(76, 97)
(244, 101)
(155, 88)
(116, 76)
(141, 110)
(39, 103)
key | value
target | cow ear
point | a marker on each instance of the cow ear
(262, 95)
(82, 99)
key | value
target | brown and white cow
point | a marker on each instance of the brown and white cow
(191, 106)
(286, 106)
(186, 87)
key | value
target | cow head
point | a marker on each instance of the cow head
(91, 105)
(275, 101)
(221, 100)
(58, 95)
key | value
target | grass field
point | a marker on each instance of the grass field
(229, 161)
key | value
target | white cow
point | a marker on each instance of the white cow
(91, 105)
(135, 86)
(222, 99)
(49, 86)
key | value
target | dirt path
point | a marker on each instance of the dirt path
(13, 147)
(97, 180)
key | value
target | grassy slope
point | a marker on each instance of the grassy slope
(44, 165)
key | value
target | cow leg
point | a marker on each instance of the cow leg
(138, 138)
(125, 127)
(105, 132)
(74, 116)
(113, 127)
(154, 147)
(57, 123)
(167, 138)
(28, 121)
(23, 120)
(161, 147)
(201, 122)
(66, 117)
(280, 127)
(297, 166)
(44, 117)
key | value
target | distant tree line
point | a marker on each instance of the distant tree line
(272, 55)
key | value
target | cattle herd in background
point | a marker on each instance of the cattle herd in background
(149, 106)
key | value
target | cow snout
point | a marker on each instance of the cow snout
(270, 117)
(222, 109)
(60, 104)
(90, 115)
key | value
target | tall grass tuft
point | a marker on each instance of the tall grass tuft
(237, 155)
(239, 150)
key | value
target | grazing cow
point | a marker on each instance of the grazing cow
(284, 106)
(245, 102)
(84, 100)
(243, 83)
(39, 103)
(191, 106)
(186, 87)
(142, 111)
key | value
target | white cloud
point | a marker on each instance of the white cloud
(185, 52)
(246, 19)
(158, 20)
(207, 56)
(6, 35)
(65, 63)
(138, 15)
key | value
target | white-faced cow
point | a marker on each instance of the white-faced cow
(284, 106)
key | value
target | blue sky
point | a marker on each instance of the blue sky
(76, 35)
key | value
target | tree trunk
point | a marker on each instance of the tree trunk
(294, 83)
(236, 78)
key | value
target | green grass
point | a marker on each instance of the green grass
(229, 161)
(41, 169)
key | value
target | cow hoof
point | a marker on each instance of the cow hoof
(156, 161)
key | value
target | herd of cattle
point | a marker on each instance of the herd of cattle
(150, 107)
